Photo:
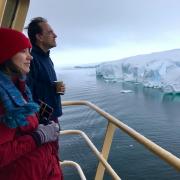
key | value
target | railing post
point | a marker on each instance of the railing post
(105, 149)
(2, 9)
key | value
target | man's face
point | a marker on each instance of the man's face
(47, 37)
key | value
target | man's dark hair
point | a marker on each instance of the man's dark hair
(34, 28)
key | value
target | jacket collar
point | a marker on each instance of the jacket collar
(40, 51)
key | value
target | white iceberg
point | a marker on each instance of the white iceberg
(156, 70)
(126, 91)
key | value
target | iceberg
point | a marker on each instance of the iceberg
(155, 70)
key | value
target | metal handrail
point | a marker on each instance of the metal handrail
(95, 150)
(76, 165)
(156, 149)
(164, 154)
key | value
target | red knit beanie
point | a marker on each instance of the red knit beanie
(11, 42)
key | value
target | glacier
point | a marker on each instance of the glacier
(155, 70)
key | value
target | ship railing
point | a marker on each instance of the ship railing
(96, 152)
(76, 165)
(114, 123)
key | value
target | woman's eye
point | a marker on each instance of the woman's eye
(25, 50)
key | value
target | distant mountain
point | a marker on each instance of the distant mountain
(86, 66)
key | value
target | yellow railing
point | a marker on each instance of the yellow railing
(114, 123)
(76, 165)
(96, 152)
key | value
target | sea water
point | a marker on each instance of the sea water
(147, 110)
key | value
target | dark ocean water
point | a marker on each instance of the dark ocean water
(146, 110)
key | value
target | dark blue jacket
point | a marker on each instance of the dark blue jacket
(41, 78)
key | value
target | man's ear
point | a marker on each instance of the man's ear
(39, 37)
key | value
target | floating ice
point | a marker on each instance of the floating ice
(156, 70)
(126, 91)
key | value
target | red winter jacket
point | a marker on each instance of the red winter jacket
(22, 159)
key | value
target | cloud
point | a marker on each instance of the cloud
(110, 24)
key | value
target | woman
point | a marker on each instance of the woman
(27, 149)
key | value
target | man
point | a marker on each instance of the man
(42, 74)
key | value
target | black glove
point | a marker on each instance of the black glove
(46, 133)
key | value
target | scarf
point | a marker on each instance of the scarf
(16, 107)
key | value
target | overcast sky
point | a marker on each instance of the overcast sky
(93, 31)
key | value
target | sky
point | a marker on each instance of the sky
(95, 31)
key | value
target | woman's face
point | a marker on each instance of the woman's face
(22, 61)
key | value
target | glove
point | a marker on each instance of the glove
(46, 133)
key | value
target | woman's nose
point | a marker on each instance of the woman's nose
(30, 57)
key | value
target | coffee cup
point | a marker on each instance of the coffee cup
(59, 85)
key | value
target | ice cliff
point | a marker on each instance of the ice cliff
(156, 70)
